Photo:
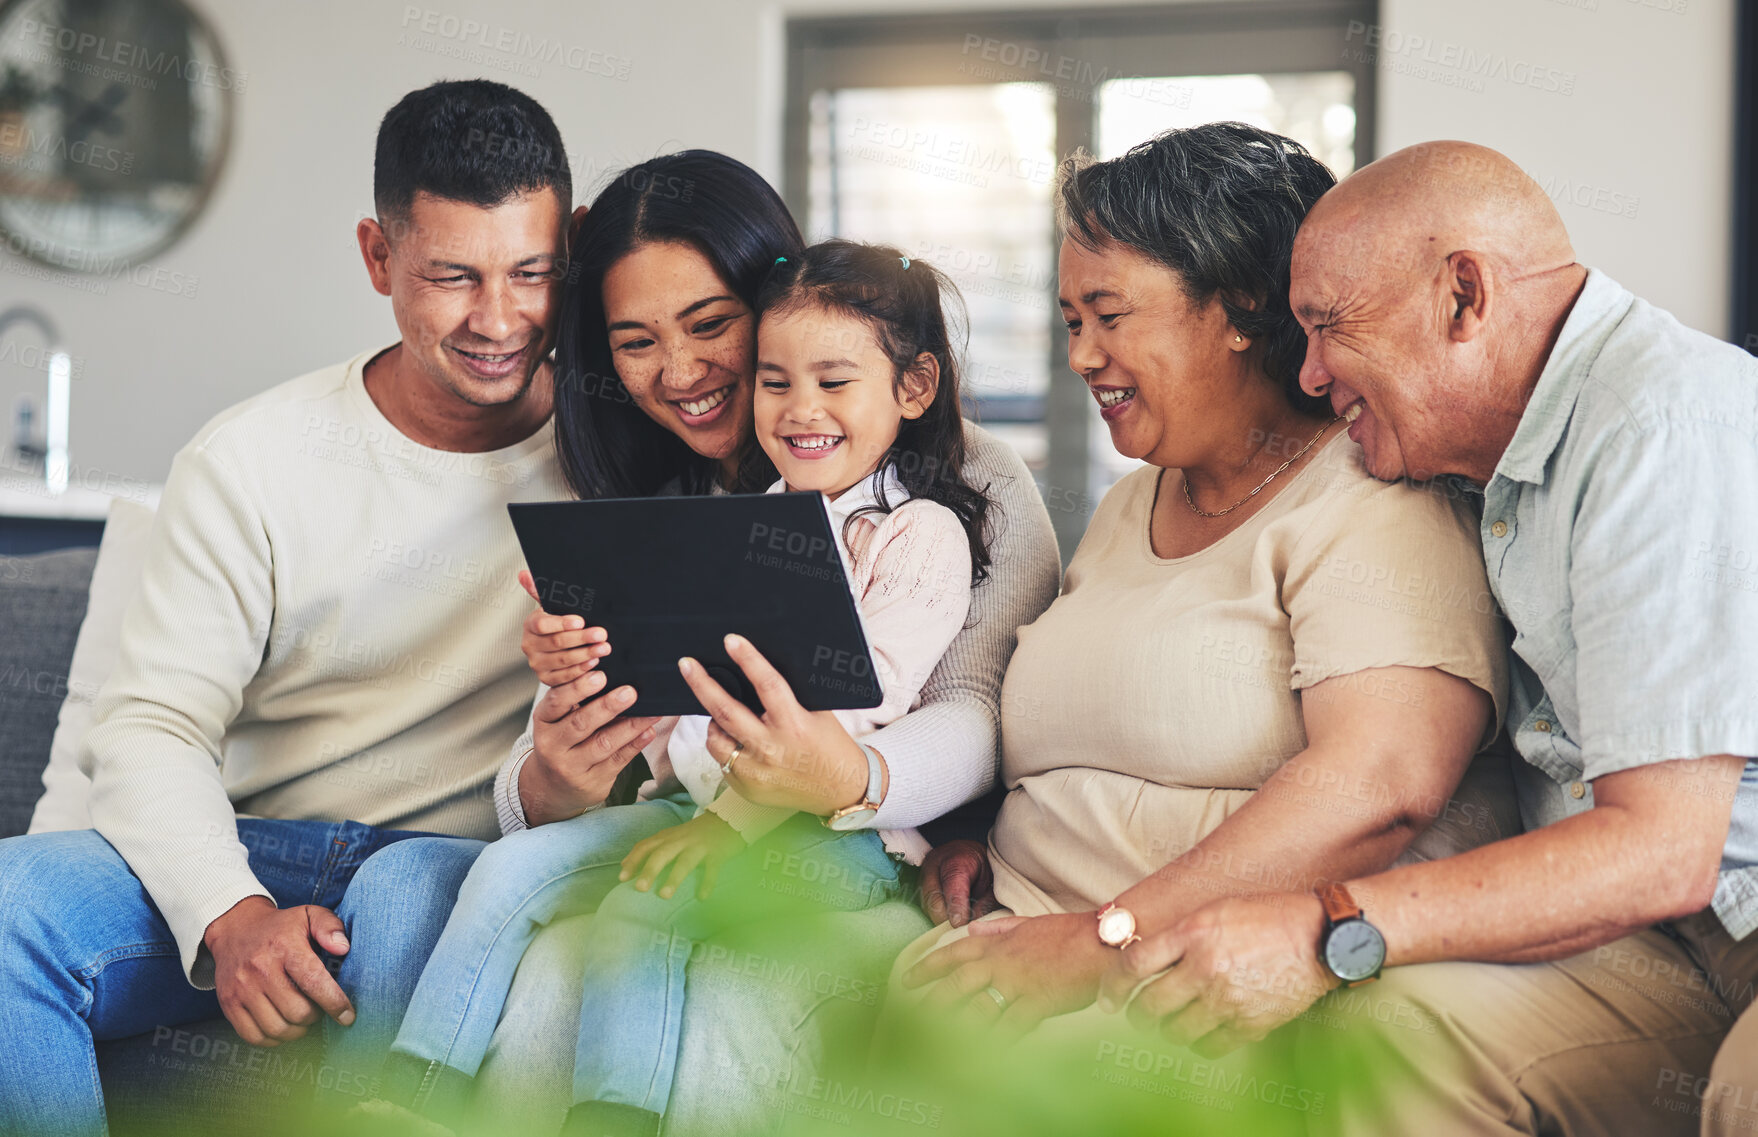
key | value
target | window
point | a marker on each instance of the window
(941, 134)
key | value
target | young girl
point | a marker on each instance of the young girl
(857, 398)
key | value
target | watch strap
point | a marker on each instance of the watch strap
(874, 798)
(1338, 904)
(875, 777)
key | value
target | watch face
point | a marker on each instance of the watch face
(1116, 926)
(854, 820)
(1354, 951)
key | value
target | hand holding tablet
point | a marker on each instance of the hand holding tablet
(668, 578)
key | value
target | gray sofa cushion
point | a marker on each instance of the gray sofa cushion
(42, 601)
(200, 1073)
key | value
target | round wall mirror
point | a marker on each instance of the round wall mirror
(114, 121)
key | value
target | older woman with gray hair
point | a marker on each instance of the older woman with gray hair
(1266, 670)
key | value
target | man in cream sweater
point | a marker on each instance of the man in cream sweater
(323, 657)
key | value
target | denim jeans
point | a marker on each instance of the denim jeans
(747, 1035)
(645, 947)
(87, 957)
(519, 885)
(638, 949)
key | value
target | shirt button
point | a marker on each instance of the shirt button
(1578, 790)
(1543, 727)
(1499, 529)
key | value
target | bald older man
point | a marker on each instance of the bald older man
(1609, 945)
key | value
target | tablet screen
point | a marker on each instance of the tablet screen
(670, 576)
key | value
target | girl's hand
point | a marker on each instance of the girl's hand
(559, 648)
(706, 840)
(791, 757)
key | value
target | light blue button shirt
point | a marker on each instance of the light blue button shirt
(1620, 532)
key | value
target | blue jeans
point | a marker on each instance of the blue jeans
(636, 957)
(644, 946)
(519, 885)
(87, 957)
(803, 1009)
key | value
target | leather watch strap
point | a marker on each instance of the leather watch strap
(1339, 905)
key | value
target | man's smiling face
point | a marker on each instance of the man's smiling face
(474, 291)
(1373, 348)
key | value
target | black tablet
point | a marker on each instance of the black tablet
(670, 576)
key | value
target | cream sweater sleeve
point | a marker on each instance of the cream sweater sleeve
(508, 808)
(192, 640)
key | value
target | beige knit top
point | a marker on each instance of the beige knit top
(1156, 694)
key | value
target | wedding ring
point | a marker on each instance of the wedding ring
(738, 749)
(1000, 999)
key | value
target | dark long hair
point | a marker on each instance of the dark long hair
(901, 300)
(727, 212)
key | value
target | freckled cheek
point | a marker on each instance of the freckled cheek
(736, 355)
(1164, 381)
(638, 380)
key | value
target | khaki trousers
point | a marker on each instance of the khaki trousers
(1085, 1072)
(1617, 1040)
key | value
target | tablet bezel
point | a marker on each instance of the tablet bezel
(771, 557)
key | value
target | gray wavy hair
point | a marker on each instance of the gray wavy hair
(1219, 205)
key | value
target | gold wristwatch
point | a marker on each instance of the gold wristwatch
(1117, 926)
(858, 815)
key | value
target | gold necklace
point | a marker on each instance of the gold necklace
(1190, 501)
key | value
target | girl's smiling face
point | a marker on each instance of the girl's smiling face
(828, 404)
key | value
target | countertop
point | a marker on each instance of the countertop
(87, 497)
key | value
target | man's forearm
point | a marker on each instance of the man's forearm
(1306, 825)
(1546, 894)
(1270, 846)
(167, 814)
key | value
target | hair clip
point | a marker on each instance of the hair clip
(905, 260)
(779, 261)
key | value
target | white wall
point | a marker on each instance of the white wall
(280, 289)
(1638, 155)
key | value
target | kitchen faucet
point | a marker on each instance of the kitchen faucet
(54, 448)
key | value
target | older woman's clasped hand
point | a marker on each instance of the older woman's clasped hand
(1227, 974)
(788, 756)
(1017, 971)
(958, 885)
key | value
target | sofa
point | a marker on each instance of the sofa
(201, 1079)
(750, 1047)
(195, 1079)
